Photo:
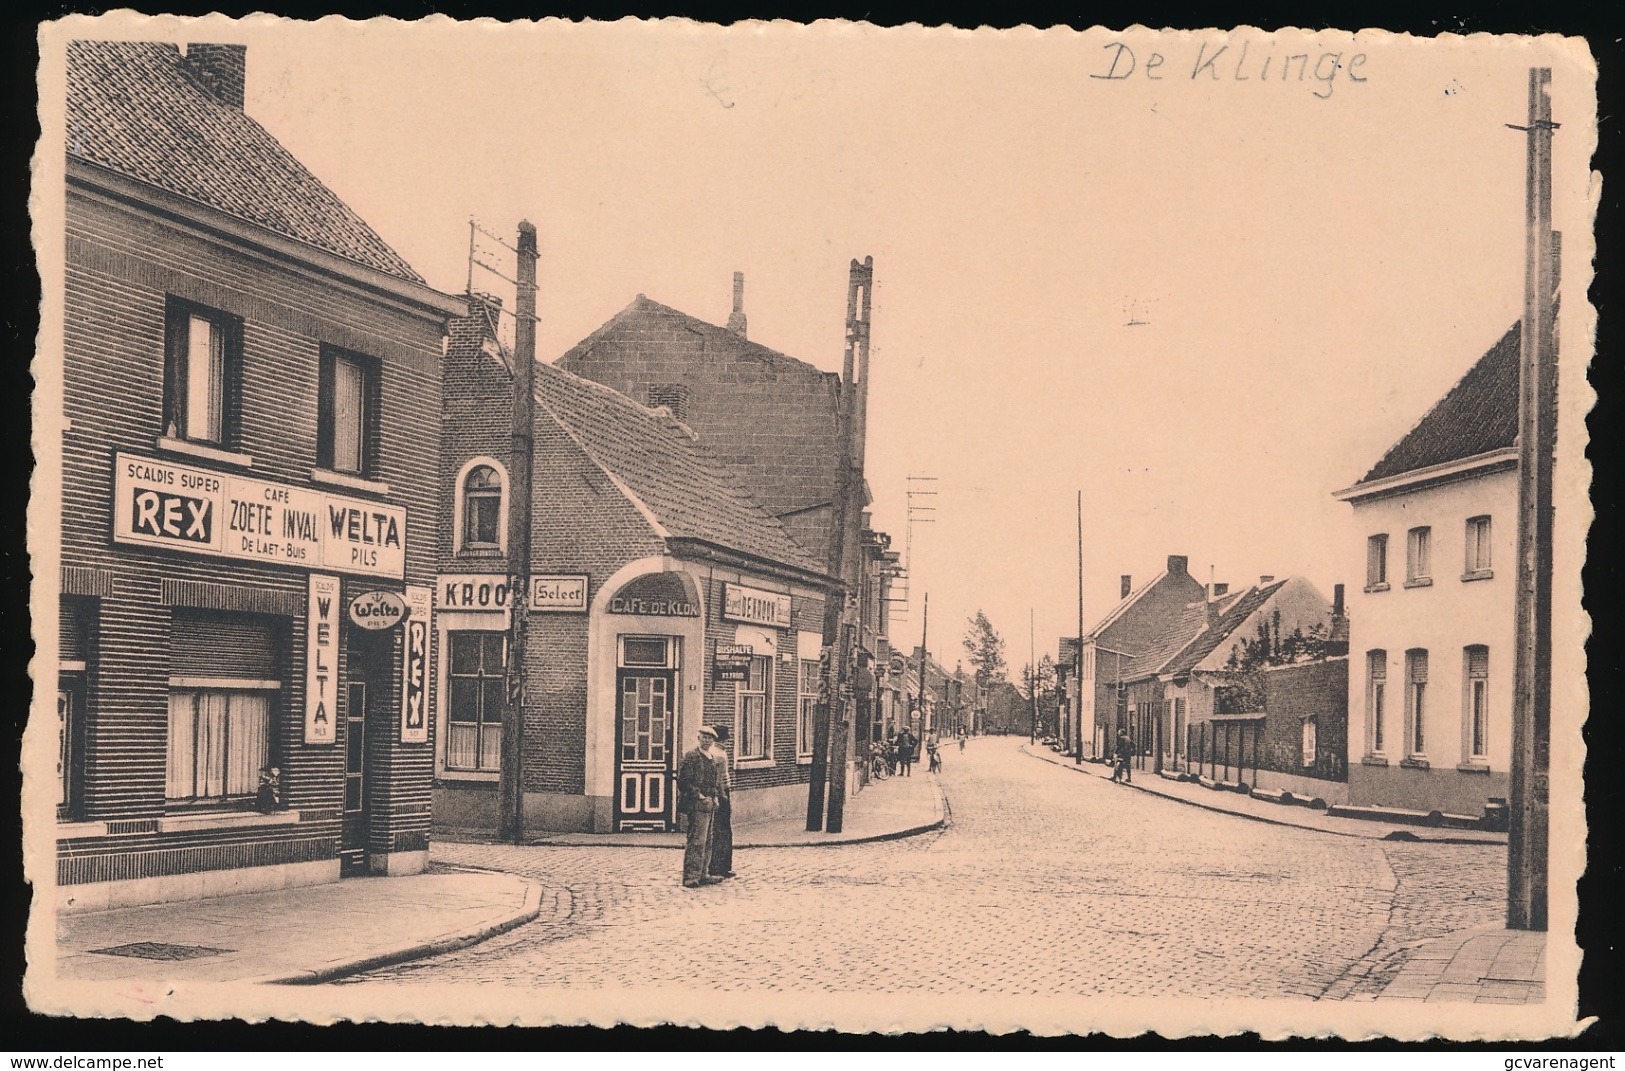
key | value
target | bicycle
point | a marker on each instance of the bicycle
(878, 767)
(936, 761)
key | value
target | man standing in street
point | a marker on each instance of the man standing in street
(722, 829)
(905, 752)
(697, 796)
(1122, 771)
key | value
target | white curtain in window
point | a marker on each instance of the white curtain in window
(247, 731)
(349, 407)
(461, 739)
(491, 747)
(182, 757)
(205, 379)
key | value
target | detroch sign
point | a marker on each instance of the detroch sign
(195, 511)
(755, 607)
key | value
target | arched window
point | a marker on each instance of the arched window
(482, 508)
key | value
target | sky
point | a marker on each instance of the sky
(1204, 301)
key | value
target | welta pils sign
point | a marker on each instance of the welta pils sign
(196, 511)
(415, 672)
(321, 659)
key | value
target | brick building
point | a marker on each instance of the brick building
(1138, 620)
(773, 417)
(1432, 645)
(251, 410)
(663, 596)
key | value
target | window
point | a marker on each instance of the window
(1376, 562)
(1476, 699)
(482, 508)
(219, 740)
(1376, 697)
(1478, 547)
(1416, 686)
(1418, 555)
(202, 354)
(347, 413)
(806, 700)
(70, 700)
(753, 708)
(673, 396)
(476, 683)
(1309, 741)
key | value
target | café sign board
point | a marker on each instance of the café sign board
(657, 595)
(198, 511)
(321, 659)
(477, 591)
(755, 606)
(377, 610)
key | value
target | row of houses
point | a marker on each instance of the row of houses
(286, 603)
(1399, 697)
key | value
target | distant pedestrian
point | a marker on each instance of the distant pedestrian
(697, 794)
(905, 753)
(891, 755)
(722, 828)
(1121, 771)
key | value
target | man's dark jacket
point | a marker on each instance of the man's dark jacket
(696, 778)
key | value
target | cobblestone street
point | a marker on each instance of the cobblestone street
(1044, 883)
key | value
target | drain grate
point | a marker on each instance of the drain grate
(159, 950)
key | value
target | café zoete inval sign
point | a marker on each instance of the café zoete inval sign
(196, 511)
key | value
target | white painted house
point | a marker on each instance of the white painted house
(1431, 630)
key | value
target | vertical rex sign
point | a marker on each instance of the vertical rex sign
(415, 670)
(321, 659)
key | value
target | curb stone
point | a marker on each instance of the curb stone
(528, 910)
(1375, 834)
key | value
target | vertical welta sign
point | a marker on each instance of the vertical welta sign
(415, 671)
(321, 659)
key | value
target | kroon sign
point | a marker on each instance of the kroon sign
(195, 511)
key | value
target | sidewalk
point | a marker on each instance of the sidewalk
(293, 936)
(884, 810)
(1488, 965)
(1259, 810)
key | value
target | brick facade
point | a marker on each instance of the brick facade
(131, 253)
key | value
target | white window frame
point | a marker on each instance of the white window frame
(1475, 705)
(1478, 554)
(1376, 562)
(1416, 737)
(1376, 700)
(807, 673)
(1309, 741)
(460, 512)
(1419, 555)
(743, 690)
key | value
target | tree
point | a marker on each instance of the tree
(1045, 678)
(985, 649)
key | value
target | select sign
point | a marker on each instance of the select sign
(377, 610)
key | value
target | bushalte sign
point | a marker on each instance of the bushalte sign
(732, 661)
(475, 591)
(415, 669)
(321, 659)
(754, 606)
(195, 511)
(376, 610)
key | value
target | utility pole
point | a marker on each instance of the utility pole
(832, 712)
(925, 658)
(510, 786)
(1537, 442)
(1077, 671)
(1032, 669)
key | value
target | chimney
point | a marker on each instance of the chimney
(1178, 565)
(1337, 600)
(1220, 589)
(1265, 580)
(1127, 583)
(736, 319)
(220, 69)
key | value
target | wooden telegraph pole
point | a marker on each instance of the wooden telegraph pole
(1077, 670)
(832, 720)
(510, 786)
(1537, 442)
